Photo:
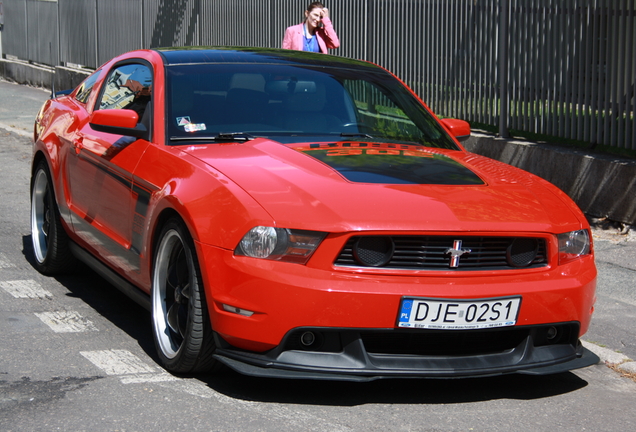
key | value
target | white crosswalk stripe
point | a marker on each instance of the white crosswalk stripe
(118, 362)
(148, 378)
(25, 289)
(66, 322)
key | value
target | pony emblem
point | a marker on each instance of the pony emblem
(455, 252)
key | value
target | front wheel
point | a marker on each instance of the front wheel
(180, 319)
(50, 242)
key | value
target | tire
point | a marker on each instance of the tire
(181, 323)
(48, 237)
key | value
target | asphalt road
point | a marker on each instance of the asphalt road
(614, 320)
(77, 355)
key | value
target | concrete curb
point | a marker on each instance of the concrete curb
(34, 75)
(20, 132)
(612, 358)
(629, 367)
(602, 185)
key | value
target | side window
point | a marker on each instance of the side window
(128, 86)
(85, 88)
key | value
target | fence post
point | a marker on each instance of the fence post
(141, 24)
(58, 60)
(97, 63)
(1, 25)
(26, 30)
(504, 16)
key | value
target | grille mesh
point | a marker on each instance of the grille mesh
(430, 253)
(468, 342)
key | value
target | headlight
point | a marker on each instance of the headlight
(280, 244)
(572, 245)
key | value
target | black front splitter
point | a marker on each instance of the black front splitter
(245, 364)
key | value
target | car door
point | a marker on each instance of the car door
(100, 169)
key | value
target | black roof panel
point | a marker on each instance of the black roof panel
(189, 55)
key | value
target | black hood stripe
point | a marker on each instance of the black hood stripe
(391, 164)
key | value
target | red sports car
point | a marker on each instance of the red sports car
(289, 214)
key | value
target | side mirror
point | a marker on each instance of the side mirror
(62, 93)
(119, 122)
(460, 129)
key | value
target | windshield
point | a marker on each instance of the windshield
(295, 103)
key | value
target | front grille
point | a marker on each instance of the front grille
(435, 252)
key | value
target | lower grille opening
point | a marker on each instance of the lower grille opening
(432, 342)
(464, 343)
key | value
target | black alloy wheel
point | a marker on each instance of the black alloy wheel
(48, 237)
(180, 319)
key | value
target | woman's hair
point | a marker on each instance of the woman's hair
(314, 5)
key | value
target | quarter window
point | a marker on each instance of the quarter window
(86, 87)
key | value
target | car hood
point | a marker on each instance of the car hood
(352, 186)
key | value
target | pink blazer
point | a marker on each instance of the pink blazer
(327, 37)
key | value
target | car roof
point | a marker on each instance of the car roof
(194, 55)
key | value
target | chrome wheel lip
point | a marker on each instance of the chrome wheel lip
(40, 215)
(160, 292)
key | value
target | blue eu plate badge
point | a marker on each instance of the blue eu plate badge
(405, 313)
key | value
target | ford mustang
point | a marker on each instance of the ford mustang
(300, 215)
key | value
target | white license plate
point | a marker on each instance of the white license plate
(458, 314)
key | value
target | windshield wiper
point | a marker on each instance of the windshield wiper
(224, 136)
(355, 134)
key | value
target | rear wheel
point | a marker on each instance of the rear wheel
(50, 241)
(180, 318)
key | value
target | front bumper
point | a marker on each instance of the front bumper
(369, 354)
(278, 297)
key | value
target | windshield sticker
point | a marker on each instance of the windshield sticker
(182, 121)
(194, 127)
(391, 164)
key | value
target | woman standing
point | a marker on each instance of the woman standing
(315, 34)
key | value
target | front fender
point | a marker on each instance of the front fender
(216, 211)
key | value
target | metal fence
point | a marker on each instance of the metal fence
(564, 68)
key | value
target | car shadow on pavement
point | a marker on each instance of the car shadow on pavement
(394, 391)
(86, 285)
